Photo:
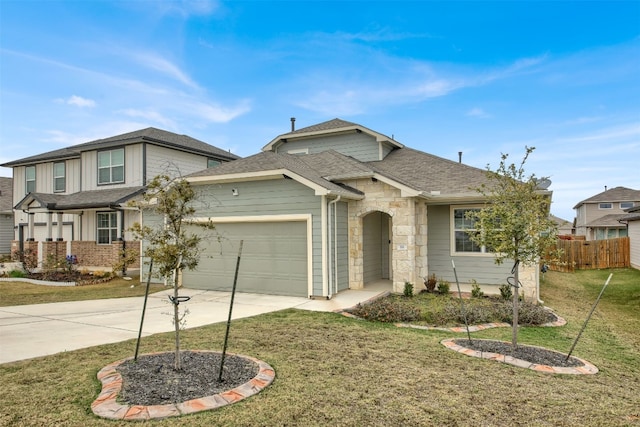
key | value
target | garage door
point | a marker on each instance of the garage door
(274, 259)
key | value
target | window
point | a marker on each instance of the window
(107, 227)
(111, 166)
(30, 179)
(212, 163)
(462, 226)
(605, 206)
(626, 205)
(59, 177)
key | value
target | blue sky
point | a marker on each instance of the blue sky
(480, 77)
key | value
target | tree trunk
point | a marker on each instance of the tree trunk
(516, 297)
(176, 321)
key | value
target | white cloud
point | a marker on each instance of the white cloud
(478, 112)
(153, 116)
(155, 62)
(218, 114)
(79, 101)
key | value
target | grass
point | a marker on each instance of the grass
(333, 370)
(22, 293)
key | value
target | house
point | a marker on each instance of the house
(632, 221)
(73, 201)
(6, 215)
(598, 216)
(337, 205)
(564, 226)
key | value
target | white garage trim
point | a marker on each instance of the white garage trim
(271, 218)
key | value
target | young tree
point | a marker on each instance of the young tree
(514, 223)
(169, 244)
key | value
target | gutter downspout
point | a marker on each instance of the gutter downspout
(333, 267)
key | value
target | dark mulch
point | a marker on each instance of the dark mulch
(535, 355)
(152, 380)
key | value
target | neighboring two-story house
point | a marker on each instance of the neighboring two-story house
(6, 215)
(598, 217)
(337, 205)
(73, 201)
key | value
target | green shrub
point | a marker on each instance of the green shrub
(505, 292)
(387, 310)
(17, 273)
(408, 289)
(476, 292)
(443, 287)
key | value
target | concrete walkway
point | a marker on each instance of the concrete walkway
(29, 331)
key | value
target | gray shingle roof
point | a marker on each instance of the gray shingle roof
(426, 172)
(149, 135)
(83, 199)
(6, 195)
(610, 220)
(328, 125)
(617, 194)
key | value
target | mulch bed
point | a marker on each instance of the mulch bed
(152, 380)
(537, 355)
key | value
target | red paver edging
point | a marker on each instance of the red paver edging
(105, 405)
(587, 369)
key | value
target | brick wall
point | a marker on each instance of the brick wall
(91, 254)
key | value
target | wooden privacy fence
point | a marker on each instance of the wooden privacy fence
(591, 254)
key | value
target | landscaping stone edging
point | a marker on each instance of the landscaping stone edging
(105, 405)
(587, 369)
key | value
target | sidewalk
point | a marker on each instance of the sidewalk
(29, 331)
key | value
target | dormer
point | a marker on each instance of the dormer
(350, 139)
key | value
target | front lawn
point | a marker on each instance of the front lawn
(333, 370)
(22, 293)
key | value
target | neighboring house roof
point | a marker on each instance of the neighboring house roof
(611, 220)
(617, 194)
(148, 135)
(6, 195)
(633, 214)
(330, 127)
(94, 199)
(560, 222)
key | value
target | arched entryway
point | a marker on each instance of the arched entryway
(376, 247)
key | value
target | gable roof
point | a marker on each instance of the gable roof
(617, 194)
(6, 195)
(149, 135)
(308, 169)
(415, 172)
(330, 127)
(94, 199)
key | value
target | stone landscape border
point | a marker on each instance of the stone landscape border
(587, 369)
(105, 405)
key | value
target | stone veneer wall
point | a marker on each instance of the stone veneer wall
(408, 233)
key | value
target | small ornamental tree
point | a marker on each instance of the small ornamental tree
(169, 245)
(514, 223)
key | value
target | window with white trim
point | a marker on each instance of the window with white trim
(59, 177)
(606, 205)
(462, 228)
(107, 227)
(30, 179)
(111, 166)
(626, 205)
(212, 163)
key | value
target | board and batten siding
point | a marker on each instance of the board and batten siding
(6, 233)
(133, 170)
(634, 243)
(268, 197)
(480, 268)
(162, 160)
(360, 146)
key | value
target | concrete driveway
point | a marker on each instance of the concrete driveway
(29, 331)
